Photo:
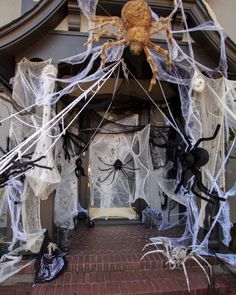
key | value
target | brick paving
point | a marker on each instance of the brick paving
(106, 260)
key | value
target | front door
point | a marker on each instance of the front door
(112, 172)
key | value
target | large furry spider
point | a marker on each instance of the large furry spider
(116, 166)
(135, 27)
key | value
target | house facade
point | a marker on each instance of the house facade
(40, 30)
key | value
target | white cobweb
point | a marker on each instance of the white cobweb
(205, 102)
(30, 85)
(66, 197)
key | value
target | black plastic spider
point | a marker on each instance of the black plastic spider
(79, 170)
(17, 167)
(70, 140)
(116, 166)
(191, 160)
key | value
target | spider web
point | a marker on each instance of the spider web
(197, 93)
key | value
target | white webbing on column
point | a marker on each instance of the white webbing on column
(44, 181)
(66, 198)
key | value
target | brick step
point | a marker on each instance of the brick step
(101, 263)
(21, 289)
(108, 275)
(126, 282)
(133, 282)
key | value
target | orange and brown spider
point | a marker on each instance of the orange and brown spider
(135, 27)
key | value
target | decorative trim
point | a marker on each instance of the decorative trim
(32, 25)
(73, 15)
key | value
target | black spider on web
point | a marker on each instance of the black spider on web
(79, 170)
(18, 167)
(191, 159)
(70, 140)
(118, 165)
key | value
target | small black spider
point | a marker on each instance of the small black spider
(116, 166)
(79, 170)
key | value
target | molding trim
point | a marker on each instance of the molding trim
(31, 26)
(73, 16)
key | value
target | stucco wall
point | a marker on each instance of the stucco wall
(225, 12)
(9, 10)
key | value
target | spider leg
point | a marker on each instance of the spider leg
(162, 28)
(207, 138)
(108, 169)
(100, 159)
(186, 275)
(98, 19)
(28, 156)
(195, 259)
(151, 252)
(100, 26)
(107, 176)
(37, 160)
(113, 178)
(7, 147)
(202, 187)
(153, 67)
(113, 20)
(129, 168)
(205, 190)
(203, 259)
(33, 163)
(2, 150)
(116, 24)
(125, 173)
(109, 44)
(182, 180)
(65, 148)
(97, 36)
(41, 166)
(200, 196)
(158, 49)
(152, 244)
(162, 20)
(77, 172)
(18, 171)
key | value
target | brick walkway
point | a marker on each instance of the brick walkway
(106, 260)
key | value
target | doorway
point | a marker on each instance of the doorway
(112, 170)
